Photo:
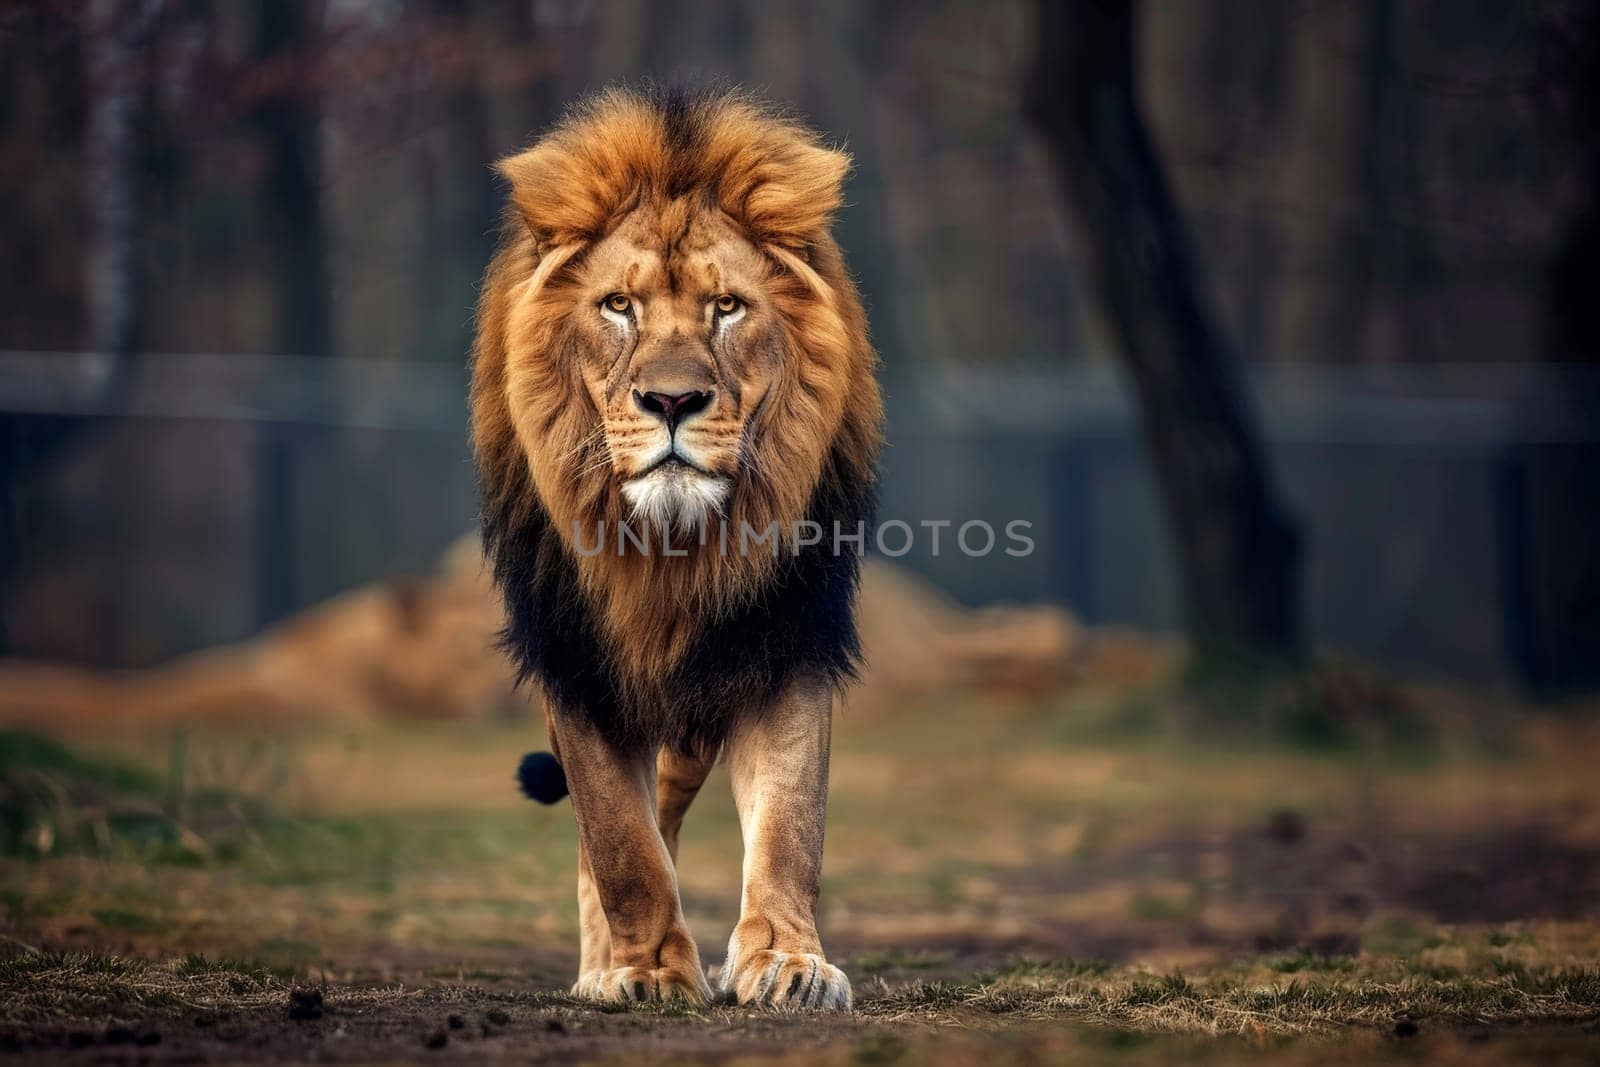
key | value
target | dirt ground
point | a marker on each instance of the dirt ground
(1085, 878)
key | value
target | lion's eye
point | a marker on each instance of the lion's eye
(726, 304)
(618, 303)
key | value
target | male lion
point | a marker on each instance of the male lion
(668, 337)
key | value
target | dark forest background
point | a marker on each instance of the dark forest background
(241, 244)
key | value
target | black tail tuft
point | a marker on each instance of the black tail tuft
(542, 778)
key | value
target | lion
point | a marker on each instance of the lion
(668, 339)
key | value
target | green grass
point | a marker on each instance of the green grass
(1299, 962)
(60, 802)
(879, 961)
(63, 804)
(1335, 708)
(24, 753)
(1151, 907)
(121, 919)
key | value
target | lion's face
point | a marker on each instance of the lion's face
(669, 333)
(677, 346)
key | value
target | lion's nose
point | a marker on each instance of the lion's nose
(672, 407)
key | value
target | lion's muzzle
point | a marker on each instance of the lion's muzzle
(673, 408)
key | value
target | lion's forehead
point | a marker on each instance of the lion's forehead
(622, 262)
(709, 256)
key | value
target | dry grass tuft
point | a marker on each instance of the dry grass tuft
(1254, 1001)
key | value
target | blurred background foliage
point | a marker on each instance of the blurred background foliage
(242, 244)
(1370, 181)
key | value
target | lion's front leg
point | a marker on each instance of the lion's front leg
(626, 877)
(779, 764)
(594, 936)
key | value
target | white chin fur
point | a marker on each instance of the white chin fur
(675, 497)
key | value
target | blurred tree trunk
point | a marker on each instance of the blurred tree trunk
(1213, 83)
(44, 283)
(460, 203)
(1238, 550)
(1572, 91)
(849, 95)
(292, 228)
(119, 35)
(1551, 509)
(291, 195)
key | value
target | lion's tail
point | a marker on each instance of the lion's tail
(541, 777)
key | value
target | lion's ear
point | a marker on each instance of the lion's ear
(575, 180)
(795, 263)
(551, 192)
(567, 190)
(799, 202)
(788, 193)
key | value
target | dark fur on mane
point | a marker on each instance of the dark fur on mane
(800, 621)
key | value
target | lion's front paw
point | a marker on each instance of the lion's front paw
(793, 980)
(643, 985)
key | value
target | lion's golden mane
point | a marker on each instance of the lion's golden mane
(645, 644)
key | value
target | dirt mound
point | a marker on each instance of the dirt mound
(424, 647)
(917, 640)
(411, 647)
